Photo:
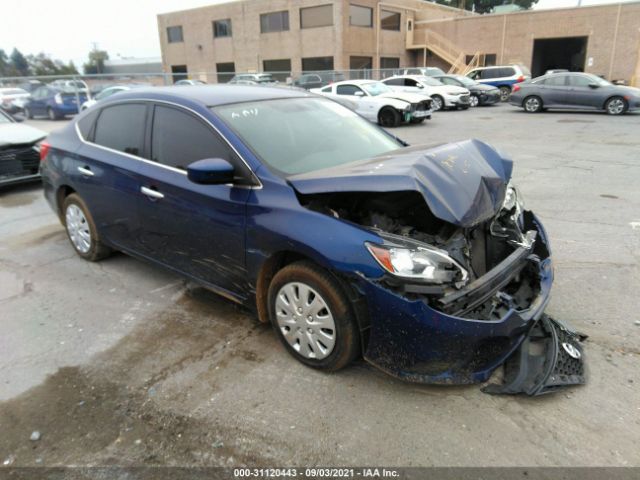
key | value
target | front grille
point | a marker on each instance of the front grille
(15, 162)
(464, 98)
(424, 105)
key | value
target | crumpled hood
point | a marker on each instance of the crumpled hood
(463, 183)
(406, 96)
(16, 134)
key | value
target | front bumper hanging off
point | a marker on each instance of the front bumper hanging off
(551, 357)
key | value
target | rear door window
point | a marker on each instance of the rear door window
(121, 128)
(489, 73)
(556, 81)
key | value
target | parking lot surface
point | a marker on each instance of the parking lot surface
(120, 362)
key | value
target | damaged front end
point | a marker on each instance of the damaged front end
(464, 287)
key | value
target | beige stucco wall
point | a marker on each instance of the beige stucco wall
(485, 34)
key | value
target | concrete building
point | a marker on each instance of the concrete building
(291, 36)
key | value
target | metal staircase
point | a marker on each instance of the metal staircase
(445, 49)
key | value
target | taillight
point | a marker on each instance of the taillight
(521, 78)
(515, 88)
(58, 99)
(44, 150)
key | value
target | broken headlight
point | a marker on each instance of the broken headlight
(419, 262)
(513, 199)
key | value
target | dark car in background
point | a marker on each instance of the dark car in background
(19, 151)
(54, 102)
(308, 81)
(423, 259)
(480, 94)
(575, 91)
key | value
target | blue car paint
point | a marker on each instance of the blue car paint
(407, 338)
(69, 105)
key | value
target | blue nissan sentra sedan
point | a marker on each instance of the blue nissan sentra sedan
(421, 259)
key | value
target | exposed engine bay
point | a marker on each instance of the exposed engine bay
(508, 238)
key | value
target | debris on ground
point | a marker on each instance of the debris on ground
(35, 436)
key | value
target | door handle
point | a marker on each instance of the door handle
(149, 192)
(86, 171)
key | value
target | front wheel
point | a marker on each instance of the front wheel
(28, 113)
(504, 93)
(312, 317)
(474, 101)
(616, 106)
(81, 230)
(389, 117)
(532, 104)
(437, 103)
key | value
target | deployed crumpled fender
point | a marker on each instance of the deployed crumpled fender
(551, 357)
(463, 183)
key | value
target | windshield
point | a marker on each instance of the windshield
(432, 82)
(376, 88)
(466, 81)
(300, 135)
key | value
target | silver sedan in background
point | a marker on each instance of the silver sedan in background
(581, 91)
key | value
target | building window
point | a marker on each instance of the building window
(274, 22)
(225, 71)
(279, 69)
(222, 28)
(389, 20)
(490, 59)
(389, 62)
(360, 16)
(312, 17)
(317, 63)
(179, 72)
(360, 63)
(174, 34)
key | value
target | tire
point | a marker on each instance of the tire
(294, 293)
(28, 113)
(52, 114)
(389, 117)
(417, 120)
(532, 104)
(437, 103)
(504, 93)
(616, 106)
(81, 229)
(474, 101)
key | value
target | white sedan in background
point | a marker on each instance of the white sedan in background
(107, 92)
(13, 99)
(378, 103)
(443, 96)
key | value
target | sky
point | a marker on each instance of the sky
(67, 29)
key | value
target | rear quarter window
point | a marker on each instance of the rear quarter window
(86, 123)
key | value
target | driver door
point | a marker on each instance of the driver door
(366, 106)
(198, 230)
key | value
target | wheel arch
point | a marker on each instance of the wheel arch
(615, 95)
(62, 192)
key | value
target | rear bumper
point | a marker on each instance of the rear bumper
(65, 109)
(410, 339)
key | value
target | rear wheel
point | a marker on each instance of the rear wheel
(389, 117)
(312, 317)
(81, 230)
(616, 106)
(437, 103)
(504, 93)
(532, 104)
(52, 114)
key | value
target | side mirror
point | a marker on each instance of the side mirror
(210, 171)
(419, 85)
(594, 85)
(359, 94)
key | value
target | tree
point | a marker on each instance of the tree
(4, 64)
(43, 64)
(19, 64)
(485, 6)
(96, 61)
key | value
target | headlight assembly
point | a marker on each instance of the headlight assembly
(417, 262)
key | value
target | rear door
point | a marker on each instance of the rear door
(554, 91)
(37, 104)
(198, 230)
(105, 169)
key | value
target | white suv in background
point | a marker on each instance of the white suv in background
(503, 77)
(442, 96)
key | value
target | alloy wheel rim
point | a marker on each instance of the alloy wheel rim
(437, 103)
(474, 101)
(504, 94)
(616, 106)
(532, 104)
(305, 321)
(78, 228)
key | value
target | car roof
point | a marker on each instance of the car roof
(355, 82)
(213, 95)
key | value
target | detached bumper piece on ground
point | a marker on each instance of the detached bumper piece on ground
(550, 358)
